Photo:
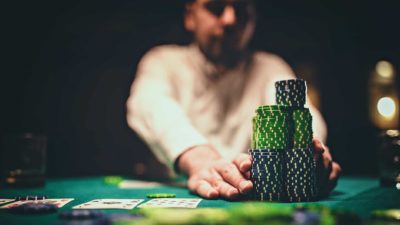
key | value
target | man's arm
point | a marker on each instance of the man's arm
(155, 115)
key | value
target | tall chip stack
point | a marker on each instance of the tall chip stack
(271, 133)
(283, 166)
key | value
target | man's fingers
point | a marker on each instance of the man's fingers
(202, 187)
(243, 162)
(231, 174)
(336, 169)
(318, 146)
(206, 190)
(327, 160)
(322, 153)
(225, 190)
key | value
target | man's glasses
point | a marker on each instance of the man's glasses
(217, 7)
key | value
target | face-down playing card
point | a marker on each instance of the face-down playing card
(59, 202)
(171, 203)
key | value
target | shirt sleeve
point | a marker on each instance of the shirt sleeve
(155, 115)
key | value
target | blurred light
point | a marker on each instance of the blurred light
(384, 69)
(386, 107)
(393, 133)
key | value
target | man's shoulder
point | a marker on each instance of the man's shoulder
(271, 65)
(263, 57)
(169, 51)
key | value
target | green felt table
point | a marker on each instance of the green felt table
(359, 195)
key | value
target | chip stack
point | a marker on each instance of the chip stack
(283, 164)
(302, 132)
(267, 174)
(291, 92)
(271, 127)
(299, 175)
(271, 135)
(299, 166)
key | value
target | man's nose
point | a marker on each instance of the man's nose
(228, 17)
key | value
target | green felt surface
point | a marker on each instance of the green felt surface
(359, 195)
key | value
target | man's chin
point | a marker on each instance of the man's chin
(225, 57)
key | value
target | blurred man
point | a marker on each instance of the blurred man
(193, 104)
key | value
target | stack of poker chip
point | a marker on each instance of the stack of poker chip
(302, 124)
(271, 127)
(267, 174)
(299, 175)
(291, 92)
(271, 135)
(283, 166)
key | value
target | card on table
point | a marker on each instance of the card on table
(171, 203)
(59, 202)
(110, 204)
(3, 201)
(133, 184)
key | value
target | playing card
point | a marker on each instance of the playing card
(133, 184)
(59, 202)
(3, 201)
(171, 203)
(110, 204)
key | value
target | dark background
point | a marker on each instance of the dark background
(69, 65)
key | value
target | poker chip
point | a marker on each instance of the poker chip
(283, 166)
(300, 179)
(113, 180)
(291, 92)
(161, 195)
(267, 174)
(80, 214)
(34, 208)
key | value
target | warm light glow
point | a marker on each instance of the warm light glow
(393, 133)
(386, 107)
(385, 69)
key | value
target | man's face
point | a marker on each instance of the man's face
(222, 28)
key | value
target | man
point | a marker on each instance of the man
(193, 104)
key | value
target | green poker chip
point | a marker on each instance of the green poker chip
(113, 180)
(161, 195)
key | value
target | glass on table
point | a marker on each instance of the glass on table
(23, 160)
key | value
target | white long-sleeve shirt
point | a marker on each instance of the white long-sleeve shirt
(178, 100)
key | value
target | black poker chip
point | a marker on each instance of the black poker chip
(34, 208)
(80, 214)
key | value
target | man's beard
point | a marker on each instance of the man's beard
(226, 53)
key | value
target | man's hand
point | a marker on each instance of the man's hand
(212, 177)
(328, 171)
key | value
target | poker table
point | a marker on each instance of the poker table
(359, 195)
